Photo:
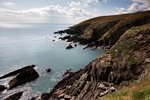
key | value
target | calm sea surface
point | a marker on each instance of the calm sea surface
(26, 44)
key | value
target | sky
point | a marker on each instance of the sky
(65, 11)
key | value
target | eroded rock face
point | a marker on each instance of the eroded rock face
(15, 96)
(23, 77)
(124, 62)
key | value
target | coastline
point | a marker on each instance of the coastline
(126, 60)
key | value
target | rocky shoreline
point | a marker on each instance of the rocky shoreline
(127, 38)
(103, 32)
(19, 77)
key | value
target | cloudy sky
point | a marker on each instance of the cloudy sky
(65, 11)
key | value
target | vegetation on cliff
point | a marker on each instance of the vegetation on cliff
(127, 60)
(106, 30)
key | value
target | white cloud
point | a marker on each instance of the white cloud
(7, 4)
(137, 5)
(121, 11)
(72, 13)
(146, 2)
(93, 1)
(134, 7)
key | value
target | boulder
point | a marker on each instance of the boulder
(15, 96)
(67, 97)
(2, 88)
(69, 46)
(23, 77)
(48, 70)
(17, 71)
(75, 45)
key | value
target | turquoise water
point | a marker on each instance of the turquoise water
(26, 44)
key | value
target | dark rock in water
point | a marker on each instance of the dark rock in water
(69, 46)
(67, 72)
(23, 77)
(60, 32)
(2, 88)
(65, 37)
(17, 71)
(15, 96)
(53, 40)
(48, 70)
(75, 45)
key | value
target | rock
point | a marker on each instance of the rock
(15, 96)
(72, 98)
(59, 32)
(2, 88)
(67, 97)
(65, 37)
(104, 93)
(147, 60)
(23, 77)
(102, 86)
(75, 45)
(69, 46)
(17, 71)
(61, 95)
(68, 72)
(53, 40)
(112, 89)
(48, 70)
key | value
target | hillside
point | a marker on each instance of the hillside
(106, 30)
(126, 63)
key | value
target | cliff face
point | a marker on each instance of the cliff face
(106, 30)
(126, 61)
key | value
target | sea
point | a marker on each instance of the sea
(23, 44)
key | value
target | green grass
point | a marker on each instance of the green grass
(137, 91)
(141, 94)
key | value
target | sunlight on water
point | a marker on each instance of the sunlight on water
(26, 44)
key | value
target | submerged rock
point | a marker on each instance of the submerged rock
(48, 70)
(15, 96)
(75, 45)
(69, 46)
(2, 88)
(23, 77)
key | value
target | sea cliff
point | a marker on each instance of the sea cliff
(127, 60)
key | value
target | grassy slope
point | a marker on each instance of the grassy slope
(126, 61)
(133, 49)
(110, 28)
(136, 91)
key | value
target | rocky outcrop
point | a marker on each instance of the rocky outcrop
(17, 71)
(106, 30)
(126, 61)
(24, 76)
(15, 96)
